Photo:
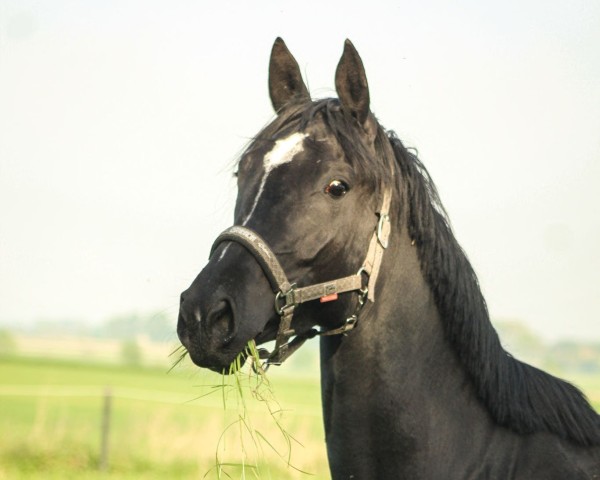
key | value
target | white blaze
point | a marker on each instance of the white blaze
(284, 151)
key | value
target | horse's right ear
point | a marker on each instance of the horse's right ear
(351, 84)
(285, 80)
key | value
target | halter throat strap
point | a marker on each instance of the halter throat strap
(288, 295)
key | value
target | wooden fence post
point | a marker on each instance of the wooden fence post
(105, 429)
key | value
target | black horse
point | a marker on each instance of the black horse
(421, 388)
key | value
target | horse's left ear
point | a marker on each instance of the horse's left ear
(351, 84)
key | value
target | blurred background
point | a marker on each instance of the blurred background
(120, 123)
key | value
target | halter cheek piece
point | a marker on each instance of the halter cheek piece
(288, 295)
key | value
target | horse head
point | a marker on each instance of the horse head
(305, 190)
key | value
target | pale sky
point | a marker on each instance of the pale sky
(119, 123)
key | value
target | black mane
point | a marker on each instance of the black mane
(517, 395)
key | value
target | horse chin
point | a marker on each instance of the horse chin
(268, 334)
(219, 358)
(216, 361)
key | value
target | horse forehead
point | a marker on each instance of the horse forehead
(284, 151)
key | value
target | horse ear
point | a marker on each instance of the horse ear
(351, 83)
(285, 80)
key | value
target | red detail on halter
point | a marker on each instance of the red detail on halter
(329, 298)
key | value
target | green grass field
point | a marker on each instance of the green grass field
(161, 425)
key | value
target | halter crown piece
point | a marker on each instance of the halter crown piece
(288, 295)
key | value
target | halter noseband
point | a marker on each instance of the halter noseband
(288, 295)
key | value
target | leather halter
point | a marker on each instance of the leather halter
(288, 295)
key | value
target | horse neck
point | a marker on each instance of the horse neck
(396, 376)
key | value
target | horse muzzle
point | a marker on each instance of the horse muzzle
(225, 307)
(207, 337)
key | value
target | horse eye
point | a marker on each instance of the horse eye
(337, 188)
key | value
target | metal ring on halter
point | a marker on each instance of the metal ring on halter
(362, 295)
(351, 322)
(362, 270)
(288, 297)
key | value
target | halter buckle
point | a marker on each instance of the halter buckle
(285, 300)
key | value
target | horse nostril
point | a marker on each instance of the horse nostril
(182, 297)
(221, 322)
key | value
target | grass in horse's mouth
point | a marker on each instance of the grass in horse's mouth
(237, 382)
(179, 354)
